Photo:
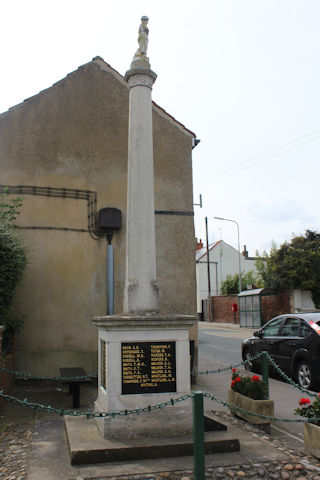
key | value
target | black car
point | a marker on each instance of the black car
(293, 341)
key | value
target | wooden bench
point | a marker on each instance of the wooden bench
(74, 385)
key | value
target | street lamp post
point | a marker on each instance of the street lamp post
(228, 220)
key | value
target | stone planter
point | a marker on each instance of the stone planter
(262, 407)
(311, 433)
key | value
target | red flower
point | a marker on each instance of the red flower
(238, 379)
(255, 378)
(234, 370)
(304, 401)
(233, 383)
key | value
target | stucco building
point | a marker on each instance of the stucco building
(65, 152)
(223, 261)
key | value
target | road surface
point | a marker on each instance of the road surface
(219, 347)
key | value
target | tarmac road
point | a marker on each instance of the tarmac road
(219, 347)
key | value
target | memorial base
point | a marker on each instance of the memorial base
(87, 446)
(169, 422)
(144, 360)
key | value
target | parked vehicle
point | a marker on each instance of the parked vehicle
(293, 341)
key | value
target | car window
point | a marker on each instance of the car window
(290, 328)
(305, 330)
(272, 329)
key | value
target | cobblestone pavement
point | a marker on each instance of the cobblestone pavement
(16, 440)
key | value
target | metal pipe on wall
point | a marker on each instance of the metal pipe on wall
(110, 280)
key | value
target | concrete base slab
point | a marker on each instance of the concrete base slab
(87, 446)
(49, 456)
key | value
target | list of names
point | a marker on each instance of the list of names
(148, 367)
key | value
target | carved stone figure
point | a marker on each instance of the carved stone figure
(143, 36)
(140, 58)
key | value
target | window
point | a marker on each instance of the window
(305, 330)
(272, 329)
(290, 328)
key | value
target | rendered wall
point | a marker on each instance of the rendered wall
(75, 135)
(224, 260)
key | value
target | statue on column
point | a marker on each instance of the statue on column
(140, 59)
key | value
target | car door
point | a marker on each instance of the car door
(269, 335)
(287, 342)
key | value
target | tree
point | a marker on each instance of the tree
(231, 284)
(267, 278)
(297, 264)
(12, 261)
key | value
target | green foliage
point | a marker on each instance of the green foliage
(12, 261)
(296, 264)
(266, 275)
(252, 387)
(308, 409)
(9, 209)
(231, 284)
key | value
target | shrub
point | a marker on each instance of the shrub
(252, 387)
(12, 261)
(308, 409)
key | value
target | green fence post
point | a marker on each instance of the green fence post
(265, 371)
(198, 436)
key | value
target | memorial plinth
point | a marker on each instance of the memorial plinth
(143, 360)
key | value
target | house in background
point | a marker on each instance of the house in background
(223, 261)
(65, 151)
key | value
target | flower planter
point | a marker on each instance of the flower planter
(311, 433)
(262, 407)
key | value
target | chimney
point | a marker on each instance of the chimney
(245, 252)
(199, 244)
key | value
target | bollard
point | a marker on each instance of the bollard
(265, 371)
(198, 436)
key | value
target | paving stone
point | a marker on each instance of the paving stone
(231, 474)
(285, 475)
(261, 472)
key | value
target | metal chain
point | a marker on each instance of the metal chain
(37, 377)
(94, 375)
(149, 408)
(288, 379)
(89, 413)
(211, 396)
(230, 367)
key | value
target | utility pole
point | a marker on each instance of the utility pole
(208, 270)
(239, 253)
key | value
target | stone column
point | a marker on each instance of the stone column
(141, 292)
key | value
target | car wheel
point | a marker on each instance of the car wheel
(304, 375)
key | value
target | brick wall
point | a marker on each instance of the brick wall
(221, 308)
(6, 379)
(273, 305)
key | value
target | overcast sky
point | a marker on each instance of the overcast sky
(244, 75)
